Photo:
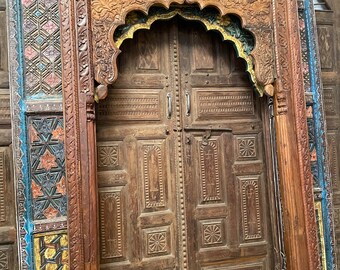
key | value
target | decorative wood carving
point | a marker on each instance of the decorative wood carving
(259, 17)
(108, 15)
(292, 141)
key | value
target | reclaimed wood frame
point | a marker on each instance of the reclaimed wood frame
(89, 55)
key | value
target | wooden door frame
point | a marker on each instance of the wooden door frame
(88, 55)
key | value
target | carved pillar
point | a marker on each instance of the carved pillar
(293, 150)
(78, 90)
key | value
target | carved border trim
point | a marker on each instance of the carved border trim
(18, 133)
(291, 129)
(321, 139)
(78, 104)
(72, 133)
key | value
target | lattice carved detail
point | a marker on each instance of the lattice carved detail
(108, 15)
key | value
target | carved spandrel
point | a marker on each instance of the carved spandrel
(250, 205)
(111, 223)
(210, 175)
(107, 17)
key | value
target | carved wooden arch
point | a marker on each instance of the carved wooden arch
(87, 55)
(255, 16)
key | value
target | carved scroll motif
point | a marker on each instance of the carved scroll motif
(255, 16)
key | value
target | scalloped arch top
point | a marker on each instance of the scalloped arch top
(113, 21)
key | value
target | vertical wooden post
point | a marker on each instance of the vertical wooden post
(292, 143)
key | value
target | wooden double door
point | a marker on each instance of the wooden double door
(183, 157)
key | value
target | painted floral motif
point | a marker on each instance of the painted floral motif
(36, 190)
(50, 212)
(58, 134)
(46, 137)
(61, 186)
(47, 161)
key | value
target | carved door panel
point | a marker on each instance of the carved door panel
(181, 171)
(135, 169)
(228, 224)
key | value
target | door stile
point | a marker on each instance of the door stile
(177, 131)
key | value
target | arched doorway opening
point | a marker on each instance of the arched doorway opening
(184, 157)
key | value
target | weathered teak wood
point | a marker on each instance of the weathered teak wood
(78, 82)
(182, 147)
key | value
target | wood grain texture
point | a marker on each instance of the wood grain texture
(178, 194)
(108, 15)
(296, 179)
(79, 114)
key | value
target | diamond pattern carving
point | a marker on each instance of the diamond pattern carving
(42, 47)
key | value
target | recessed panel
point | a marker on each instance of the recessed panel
(111, 214)
(222, 103)
(250, 208)
(127, 106)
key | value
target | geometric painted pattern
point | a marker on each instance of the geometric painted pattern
(51, 251)
(312, 144)
(42, 47)
(47, 167)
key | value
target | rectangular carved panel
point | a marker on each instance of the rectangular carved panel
(149, 52)
(250, 205)
(111, 223)
(244, 266)
(47, 166)
(5, 115)
(326, 46)
(153, 175)
(131, 107)
(108, 156)
(157, 241)
(209, 168)
(222, 103)
(246, 148)
(330, 102)
(212, 233)
(333, 159)
(203, 52)
(2, 187)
